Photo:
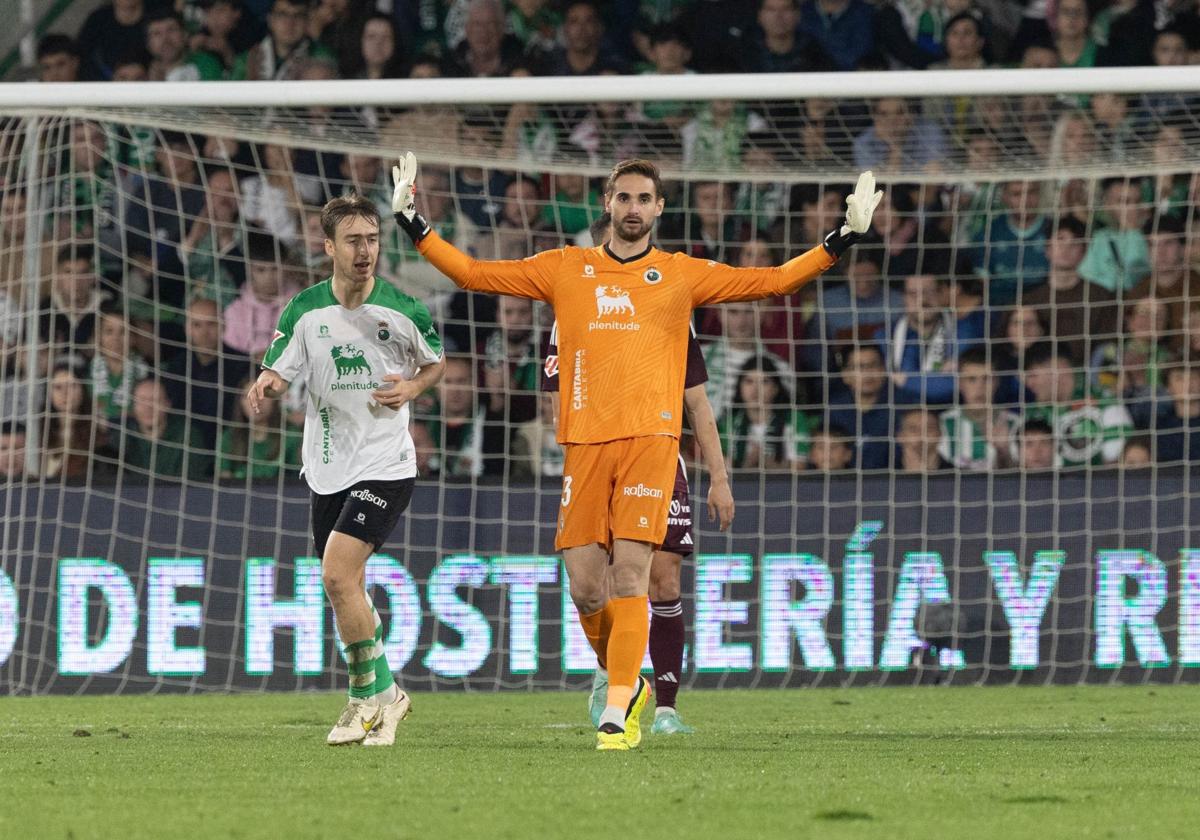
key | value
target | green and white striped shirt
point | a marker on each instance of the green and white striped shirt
(964, 442)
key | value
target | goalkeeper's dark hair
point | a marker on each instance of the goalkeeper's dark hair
(635, 166)
(344, 207)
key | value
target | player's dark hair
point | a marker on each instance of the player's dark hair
(635, 166)
(344, 207)
(12, 427)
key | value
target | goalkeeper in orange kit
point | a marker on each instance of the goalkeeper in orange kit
(623, 311)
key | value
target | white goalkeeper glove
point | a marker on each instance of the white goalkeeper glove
(404, 199)
(860, 206)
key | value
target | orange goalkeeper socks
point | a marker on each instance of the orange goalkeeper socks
(594, 627)
(626, 647)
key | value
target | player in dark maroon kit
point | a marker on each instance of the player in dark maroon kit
(666, 624)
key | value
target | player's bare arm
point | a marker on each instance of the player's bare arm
(405, 390)
(704, 425)
(269, 385)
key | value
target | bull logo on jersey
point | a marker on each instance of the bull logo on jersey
(349, 359)
(612, 300)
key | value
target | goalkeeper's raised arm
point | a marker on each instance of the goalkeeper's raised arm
(718, 283)
(634, 213)
(528, 278)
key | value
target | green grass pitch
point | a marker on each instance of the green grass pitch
(925, 763)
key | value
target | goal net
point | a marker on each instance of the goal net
(964, 455)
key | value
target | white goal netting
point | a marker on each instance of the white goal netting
(966, 454)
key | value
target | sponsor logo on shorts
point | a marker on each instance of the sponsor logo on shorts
(361, 519)
(686, 540)
(643, 522)
(367, 496)
(681, 514)
(642, 491)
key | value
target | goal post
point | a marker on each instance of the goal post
(898, 542)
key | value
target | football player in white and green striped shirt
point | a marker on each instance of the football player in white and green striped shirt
(977, 435)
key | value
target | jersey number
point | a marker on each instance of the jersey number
(566, 494)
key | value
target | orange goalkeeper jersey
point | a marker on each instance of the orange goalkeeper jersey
(622, 324)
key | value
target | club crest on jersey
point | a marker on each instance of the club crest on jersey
(383, 334)
(652, 275)
(349, 359)
(551, 367)
(323, 332)
(612, 300)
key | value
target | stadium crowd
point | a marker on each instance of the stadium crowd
(1025, 324)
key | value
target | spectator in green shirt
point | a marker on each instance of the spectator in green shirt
(161, 442)
(116, 367)
(171, 61)
(257, 445)
(1118, 256)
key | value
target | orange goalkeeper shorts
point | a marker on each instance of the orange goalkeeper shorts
(617, 490)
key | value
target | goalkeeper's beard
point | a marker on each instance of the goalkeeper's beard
(632, 233)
